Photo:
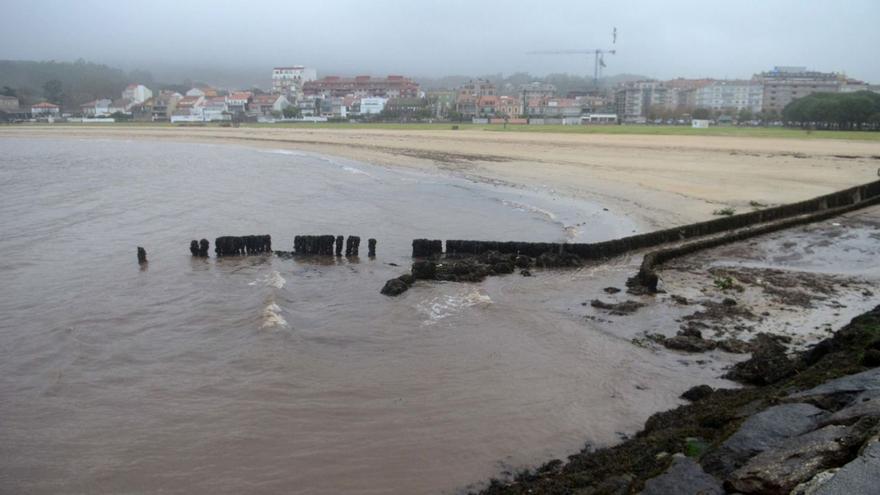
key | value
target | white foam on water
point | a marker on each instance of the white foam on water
(529, 208)
(271, 317)
(444, 306)
(273, 279)
(283, 152)
(353, 170)
(276, 280)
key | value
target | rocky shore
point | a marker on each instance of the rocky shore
(809, 425)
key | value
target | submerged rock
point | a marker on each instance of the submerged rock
(619, 309)
(557, 260)
(688, 339)
(769, 362)
(734, 345)
(424, 270)
(522, 261)
(699, 392)
(394, 287)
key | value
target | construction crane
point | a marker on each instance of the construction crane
(597, 53)
(598, 58)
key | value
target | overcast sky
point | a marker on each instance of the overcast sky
(662, 39)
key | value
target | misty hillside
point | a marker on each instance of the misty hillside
(80, 81)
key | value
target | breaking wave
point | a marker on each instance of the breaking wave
(271, 317)
(273, 279)
(444, 306)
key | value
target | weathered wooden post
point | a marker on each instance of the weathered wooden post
(351, 245)
(142, 255)
(194, 247)
(339, 241)
(371, 247)
(203, 248)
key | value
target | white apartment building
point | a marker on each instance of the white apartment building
(290, 79)
(635, 99)
(136, 93)
(373, 105)
(735, 94)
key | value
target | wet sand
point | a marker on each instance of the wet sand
(561, 352)
(659, 181)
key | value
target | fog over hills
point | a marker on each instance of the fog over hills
(236, 43)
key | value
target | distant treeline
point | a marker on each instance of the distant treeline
(857, 110)
(68, 84)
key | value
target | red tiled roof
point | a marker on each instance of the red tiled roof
(266, 99)
(44, 104)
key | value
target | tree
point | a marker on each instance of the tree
(454, 116)
(745, 115)
(7, 91)
(291, 112)
(702, 113)
(53, 91)
(833, 110)
(120, 117)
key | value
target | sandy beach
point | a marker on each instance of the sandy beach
(659, 181)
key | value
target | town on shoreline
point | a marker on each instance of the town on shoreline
(783, 96)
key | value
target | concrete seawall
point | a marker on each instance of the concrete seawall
(647, 276)
(616, 247)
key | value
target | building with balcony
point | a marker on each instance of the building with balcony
(290, 80)
(782, 85)
(362, 86)
(734, 95)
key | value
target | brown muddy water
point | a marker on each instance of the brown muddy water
(265, 375)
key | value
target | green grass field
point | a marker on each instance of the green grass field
(660, 130)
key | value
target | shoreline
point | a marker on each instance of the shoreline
(460, 165)
(742, 440)
(658, 181)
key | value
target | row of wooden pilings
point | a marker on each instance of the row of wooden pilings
(307, 245)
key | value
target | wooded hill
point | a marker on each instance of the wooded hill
(69, 84)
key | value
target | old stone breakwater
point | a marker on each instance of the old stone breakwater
(472, 261)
